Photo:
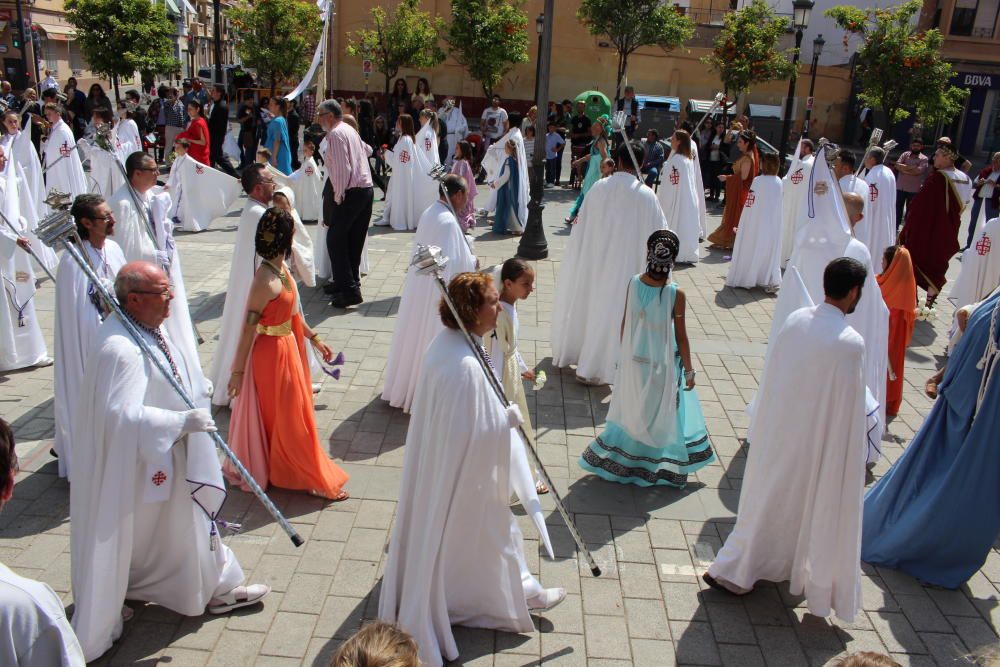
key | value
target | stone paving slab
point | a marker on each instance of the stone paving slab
(649, 608)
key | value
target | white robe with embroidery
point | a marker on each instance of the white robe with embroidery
(794, 187)
(605, 249)
(64, 174)
(980, 272)
(411, 189)
(127, 134)
(308, 185)
(757, 252)
(877, 230)
(678, 196)
(200, 194)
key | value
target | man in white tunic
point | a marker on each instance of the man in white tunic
(79, 313)
(980, 272)
(878, 228)
(495, 157)
(678, 196)
(34, 630)
(60, 157)
(146, 484)
(800, 508)
(456, 555)
(458, 127)
(794, 187)
(21, 341)
(417, 321)
(606, 248)
(259, 186)
(18, 147)
(844, 167)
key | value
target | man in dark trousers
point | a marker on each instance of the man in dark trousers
(218, 126)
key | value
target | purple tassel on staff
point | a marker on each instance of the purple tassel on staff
(330, 368)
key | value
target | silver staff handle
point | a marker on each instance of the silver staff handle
(716, 103)
(428, 260)
(54, 230)
(872, 143)
(28, 249)
(618, 125)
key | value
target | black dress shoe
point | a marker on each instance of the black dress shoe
(346, 300)
(330, 289)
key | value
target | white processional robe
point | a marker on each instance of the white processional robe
(799, 516)
(678, 196)
(980, 272)
(126, 133)
(308, 185)
(200, 194)
(607, 246)
(107, 168)
(78, 318)
(302, 245)
(427, 143)
(61, 163)
(757, 252)
(877, 230)
(493, 161)
(859, 186)
(241, 270)
(21, 342)
(20, 149)
(794, 187)
(700, 189)
(458, 130)
(141, 492)
(417, 321)
(411, 189)
(456, 554)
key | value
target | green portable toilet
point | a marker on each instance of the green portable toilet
(597, 103)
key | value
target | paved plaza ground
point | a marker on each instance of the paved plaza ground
(650, 607)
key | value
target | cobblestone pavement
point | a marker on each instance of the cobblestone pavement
(650, 606)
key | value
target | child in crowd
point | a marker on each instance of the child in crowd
(308, 184)
(507, 186)
(553, 153)
(529, 144)
(377, 644)
(607, 167)
(463, 153)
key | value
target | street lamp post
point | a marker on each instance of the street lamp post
(217, 30)
(539, 28)
(533, 244)
(817, 51)
(800, 20)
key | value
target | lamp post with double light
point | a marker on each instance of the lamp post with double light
(817, 52)
(801, 9)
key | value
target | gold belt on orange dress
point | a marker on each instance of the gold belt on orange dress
(283, 329)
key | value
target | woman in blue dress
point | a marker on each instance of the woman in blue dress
(277, 137)
(601, 131)
(655, 433)
(507, 186)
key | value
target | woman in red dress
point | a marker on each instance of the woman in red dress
(745, 169)
(196, 133)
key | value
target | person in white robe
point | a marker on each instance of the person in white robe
(259, 186)
(301, 262)
(411, 189)
(456, 554)
(199, 193)
(18, 148)
(146, 484)
(21, 342)
(126, 131)
(417, 321)
(678, 196)
(877, 230)
(799, 517)
(607, 246)
(458, 126)
(34, 630)
(825, 236)
(427, 139)
(105, 153)
(844, 166)
(794, 187)
(494, 160)
(980, 272)
(79, 313)
(61, 159)
(757, 251)
(307, 182)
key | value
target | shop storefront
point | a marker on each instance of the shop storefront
(979, 127)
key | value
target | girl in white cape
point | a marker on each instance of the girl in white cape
(758, 248)
(678, 195)
(127, 132)
(411, 189)
(308, 185)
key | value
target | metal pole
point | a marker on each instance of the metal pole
(812, 87)
(25, 36)
(217, 29)
(28, 248)
(786, 124)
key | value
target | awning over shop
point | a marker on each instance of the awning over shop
(63, 33)
(764, 111)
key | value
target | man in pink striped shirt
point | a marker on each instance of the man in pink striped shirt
(348, 197)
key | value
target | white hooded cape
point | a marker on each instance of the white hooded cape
(980, 272)
(105, 169)
(200, 194)
(878, 228)
(302, 245)
(427, 143)
(757, 252)
(812, 457)
(493, 161)
(77, 322)
(456, 555)
(678, 196)
(605, 249)
(22, 151)
(411, 189)
(138, 488)
(417, 321)
(795, 185)
(458, 129)
(308, 185)
(61, 159)
(126, 133)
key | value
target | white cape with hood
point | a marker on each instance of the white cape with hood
(21, 150)
(757, 252)
(308, 184)
(678, 196)
(417, 321)
(456, 555)
(493, 161)
(141, 493)
(605, 249)
(61, 163)
(105, 168)
(794, 187)
(877, 230)
(302, 245)
(411, 189)
(200, 194)
(980, 272)
(458, 129)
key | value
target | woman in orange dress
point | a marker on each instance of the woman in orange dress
(745, 169)
(899, 291)
(273, 426)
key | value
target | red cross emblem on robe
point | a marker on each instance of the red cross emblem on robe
(159, 477)
(797, 177)
(198, 169)
(65, 150)
(427, 144)
(983, 245)
(310, 171)
(404, 156)
(675, 177)
(872, 192)
(751, 198)
(118, 144)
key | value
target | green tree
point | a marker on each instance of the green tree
(488, 37)
(121, 37)
(899, 67)
(276, 37)
(408, 38)
(745, 52)
(631, 24)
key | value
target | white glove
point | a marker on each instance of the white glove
(514, 418)
(198, 420)
(209, 388)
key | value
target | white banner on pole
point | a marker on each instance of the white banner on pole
(325, 6)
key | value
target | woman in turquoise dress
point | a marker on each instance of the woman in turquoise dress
(655, 434)
(600, 130)
(505, 220)
(277, 137)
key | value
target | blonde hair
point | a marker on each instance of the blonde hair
(511, 145)
(866, 659)
(377, 644)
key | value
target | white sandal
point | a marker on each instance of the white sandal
(547, 599)
(241, 596)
